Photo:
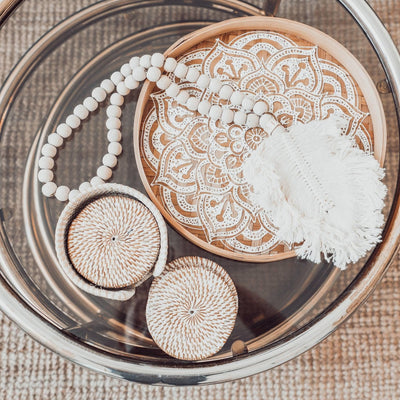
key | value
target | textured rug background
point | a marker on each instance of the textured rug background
(359, 361)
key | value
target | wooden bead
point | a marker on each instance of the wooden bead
(104, 172)
(115, 148)
(173, 90)
(260, 108)
(73, 121)
(48, 150)
(239, 117)
(113, 123)
(145, 61)
(180, 70)
(134, 62)
(84, 187)
(99, 94)
(114, 135)
(96, 181)
(225, 92)
(116, 99)
(73, 194)
(192, 74)
(45, 175)
(192, 103)
(215, 112)
(116, 77)
(215, 85)
(203, 81)
(139, 73)
(81, 112)
(252, 120)
(126, 70)
(227, 115)
(153, 74)
(164, 82)
(204, 107)
(113, 111)
(64, 130)
(236, 98)
(170, 64)
(62, 193)
(55, 139)
(46, 163)
(107, 85)
(157, 60)
(110, 160)
(131, 83)
(122, 89)
(49, 188)
(90, 103)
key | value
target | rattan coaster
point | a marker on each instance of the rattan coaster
(191, 308)
(114, 241)
(110, 239)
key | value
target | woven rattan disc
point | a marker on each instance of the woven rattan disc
(191, 309)
(113, 241)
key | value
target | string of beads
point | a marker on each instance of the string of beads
(251, 113)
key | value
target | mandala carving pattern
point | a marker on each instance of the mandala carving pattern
(197, 163)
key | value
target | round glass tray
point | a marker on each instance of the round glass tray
(285, 307)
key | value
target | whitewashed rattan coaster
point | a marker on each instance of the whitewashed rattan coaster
(114, 241)
(191, 308)
(109, 239)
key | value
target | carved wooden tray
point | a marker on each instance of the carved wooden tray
(191, 166)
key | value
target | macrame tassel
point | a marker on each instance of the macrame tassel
(319, 190)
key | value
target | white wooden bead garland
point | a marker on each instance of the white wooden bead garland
(73, 121)
(252, 113)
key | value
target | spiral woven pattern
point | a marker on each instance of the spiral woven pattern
(113, 241)
(191, 308)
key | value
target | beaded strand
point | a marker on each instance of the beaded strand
(251, 114)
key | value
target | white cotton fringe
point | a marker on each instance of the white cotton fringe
(319, 190)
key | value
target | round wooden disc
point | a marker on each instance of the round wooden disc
(191, 308)
(191, 166)
(113, 241)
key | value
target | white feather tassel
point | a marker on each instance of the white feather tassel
(319, 190)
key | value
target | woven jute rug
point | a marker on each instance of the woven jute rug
(361, 360)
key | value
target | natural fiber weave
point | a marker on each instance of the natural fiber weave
(109, 238)
(114, 241)
(191, 309)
